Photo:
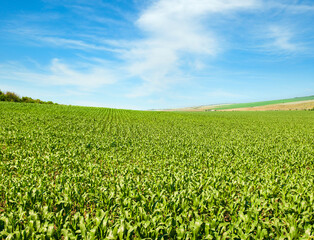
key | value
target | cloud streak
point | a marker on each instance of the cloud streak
(75, 44)
(61, 74)
(291, 8)
(282, 38)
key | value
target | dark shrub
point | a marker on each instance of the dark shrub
(28, 100)
(2, 96)
(12, 97)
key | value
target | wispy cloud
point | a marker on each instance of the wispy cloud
(282, 39)
(172, 29)
(75, 44)
(294, 8)
(54, 38)
(85, 77)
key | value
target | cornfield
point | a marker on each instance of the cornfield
(94, 173)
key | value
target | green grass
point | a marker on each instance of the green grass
(264, 103)
(95, 173)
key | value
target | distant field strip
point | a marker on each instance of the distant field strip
(264, 103)
(300, 105)
(95, 173)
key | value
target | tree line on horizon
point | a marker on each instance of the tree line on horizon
(13, 97)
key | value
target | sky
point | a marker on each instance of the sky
(156, 54)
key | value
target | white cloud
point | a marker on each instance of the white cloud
(72, 43)
(173, 29)
(85, 77)
(295, 8)
(282, 38)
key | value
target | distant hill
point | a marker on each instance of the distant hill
(264, 103)
(13, 97)
(297, 103)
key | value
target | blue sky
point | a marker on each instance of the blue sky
(152, 54)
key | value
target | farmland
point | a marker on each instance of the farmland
(93, 173)
(297, 103)
(264, 103)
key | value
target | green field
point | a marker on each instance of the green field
(94, 173)
(264, 103)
